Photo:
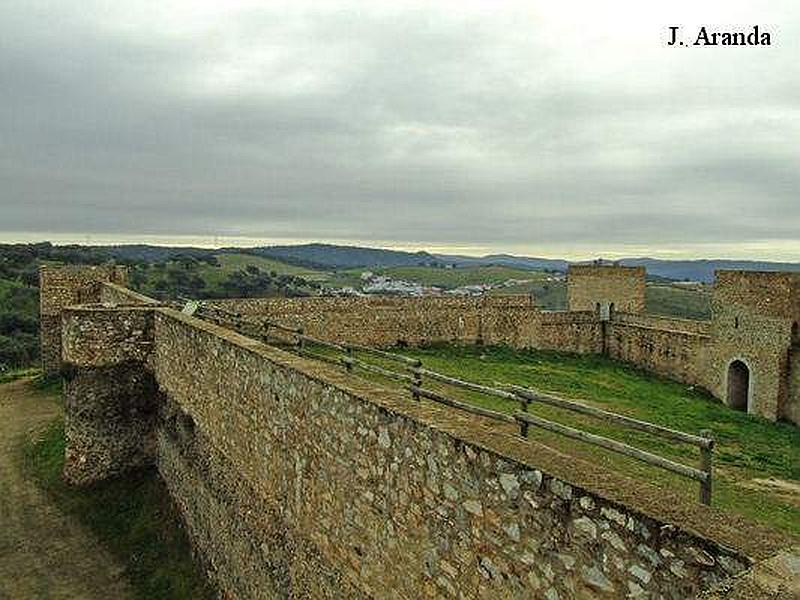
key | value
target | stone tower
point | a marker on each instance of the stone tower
(62, 286)
(606, 287)
(753, 340)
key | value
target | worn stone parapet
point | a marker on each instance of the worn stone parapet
(111, 399)
(62, 286)
(775, 294)
(289, 306)
(115, 294)
(292, 476)
(389, 321)
(591, 285)
(95, 336)
(668, 324)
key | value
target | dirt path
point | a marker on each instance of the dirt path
(43, 553)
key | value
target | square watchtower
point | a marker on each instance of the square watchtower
(753, 333)
(608, 287)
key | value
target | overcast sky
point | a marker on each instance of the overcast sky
(549, 128)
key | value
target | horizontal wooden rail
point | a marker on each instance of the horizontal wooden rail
(414, 374)
(376, 369)
(475, 387)
(265, 323)
(613, 445)
(313, 340)
(470, 408)
(413, 362)
(328, 359)
(671, 434)
(236, 316)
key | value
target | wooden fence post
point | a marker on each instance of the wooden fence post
(706, 465)
(417, 380)
(523, 425)
(349, 365)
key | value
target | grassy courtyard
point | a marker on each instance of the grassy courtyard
(757, 463)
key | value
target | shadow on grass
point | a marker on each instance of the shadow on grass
(131, 515)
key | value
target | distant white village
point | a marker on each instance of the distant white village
(383, 284)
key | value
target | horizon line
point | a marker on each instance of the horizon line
(610, 252)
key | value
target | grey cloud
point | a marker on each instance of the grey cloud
(407, 126)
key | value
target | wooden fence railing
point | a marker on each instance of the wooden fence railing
(411, 373)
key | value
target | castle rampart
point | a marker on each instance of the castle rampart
(295, 480)
(368, 494)
(753, 323)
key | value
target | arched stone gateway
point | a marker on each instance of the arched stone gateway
(738, 385)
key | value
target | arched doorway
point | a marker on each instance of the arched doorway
(738, 385)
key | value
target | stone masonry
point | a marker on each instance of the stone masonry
(754, 322)
(296, 480)
(610, 286)
(111, 398)
(754, 318)
(66, 286)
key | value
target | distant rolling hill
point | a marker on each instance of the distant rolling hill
(330, 256)
(703, 270)
(327, 256)
(506, 260)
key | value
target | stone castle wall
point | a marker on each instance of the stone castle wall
(675, 348)
(575, 331)
(111, 398)
(755, 322)
(770, 294)
(791, 410)
(292, 477)
(590, 285)
(671, 347)
(762, 343)
(297, 480)
(389, 321)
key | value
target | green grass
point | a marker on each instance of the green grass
(548, 295)
(678, 302)
(747, 447)
(228, 263)
(14, 374)
(131, 515)
(346, 278)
